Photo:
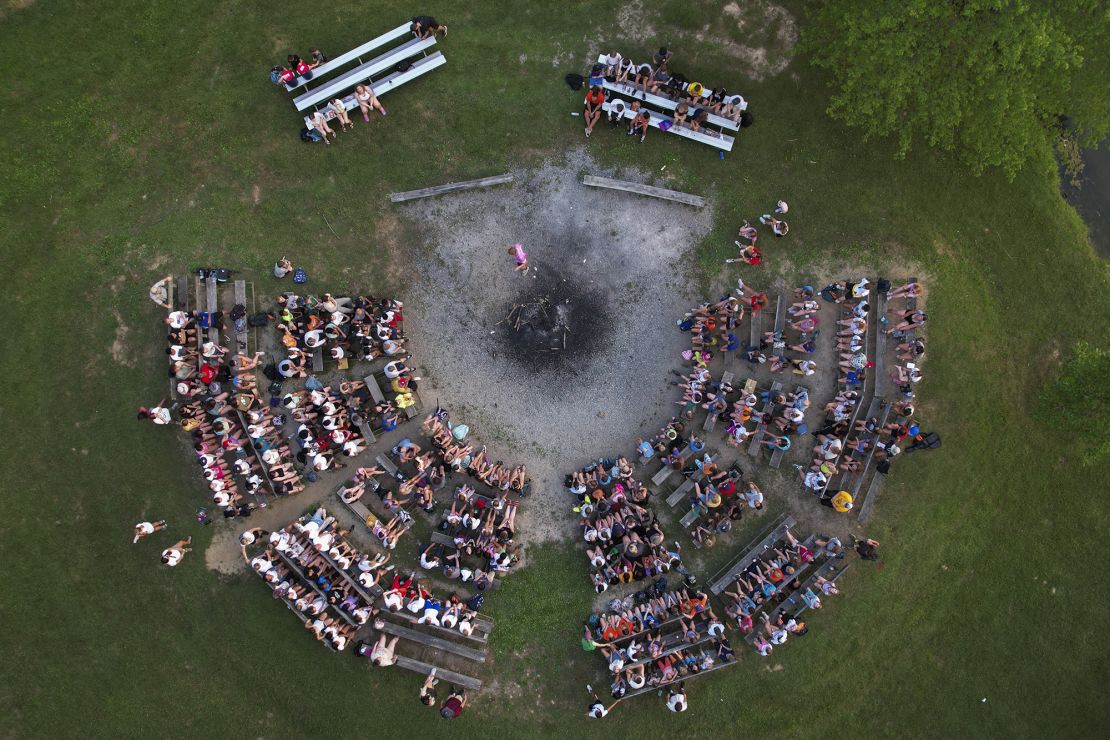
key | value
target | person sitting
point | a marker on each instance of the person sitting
(426, 27)
(367, 101)
(595, 98)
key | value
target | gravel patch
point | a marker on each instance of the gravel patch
(605, 266)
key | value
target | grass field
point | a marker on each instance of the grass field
(144, 137)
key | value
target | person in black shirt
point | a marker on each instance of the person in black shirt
(425, 26)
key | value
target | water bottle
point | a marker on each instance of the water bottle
(575, 113)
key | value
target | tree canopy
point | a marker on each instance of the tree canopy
(988, 79)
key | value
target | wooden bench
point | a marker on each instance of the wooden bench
(374, 388)
(240, 298)
(683, 490)
(648, 190)
(438, 643)
(872, 495)
(355, 54)
(726, 577)
(363, 72)
(395, 80)
(439, 538)
(213, 307)
(718, 141)
(650, 689)
(387, 465)
(756, 446)
(666, 470)
(756, 337)
(201, 302)
(418, 666)
(711, 419)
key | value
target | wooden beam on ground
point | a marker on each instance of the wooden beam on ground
(648, 190)
(452, 187)
(418, 666)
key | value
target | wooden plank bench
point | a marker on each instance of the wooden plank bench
(648, 190)
(393, 81)
(374, 388)
(453, 187)
(240, 297)
(756, 446)
(439, 538)
(711, 418)
(355, 54)
(756, 330)
(363, 72)
(419, 666)
(872, 495)
(684, 490)
(722, 580)
(202, 301)
(715, 140)
(387, 465)
(213, 307)
(407, 633)
(666, 470)
(651, 689)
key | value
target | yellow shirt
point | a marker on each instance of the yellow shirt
(842, 501)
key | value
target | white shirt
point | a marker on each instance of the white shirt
(677, 703)
(172, 555)
(178, 319)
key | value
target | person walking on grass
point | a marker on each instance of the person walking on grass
(521, 257)
(175, 553)
(145, 529)
(597, 708)
(676, 699)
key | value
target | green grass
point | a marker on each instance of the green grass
(135, 133)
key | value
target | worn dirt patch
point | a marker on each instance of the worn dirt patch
(611, 259)
(119, 349)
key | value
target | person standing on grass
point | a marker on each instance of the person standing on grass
(676, 699)
(867, 549)
(595, 98)
(597, 709)
(145, 529)
(455, 704)
(521, 257)
(175, 553)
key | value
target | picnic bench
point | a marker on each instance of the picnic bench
(665, 472)
(355, 54)
(777, 454)
(294, 566)
(384, 85)
(374, 388)
(748, 556)
(713, 139)
(755, 446)
(437, 643)
(483, 626)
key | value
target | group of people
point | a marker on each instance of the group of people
(171, 555)
(656, 639)
(750, 254)
(625, 541)
(315, 570)
(296, 68)
(412, 596)
(693, 102)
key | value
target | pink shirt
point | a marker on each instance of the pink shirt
(520, 255)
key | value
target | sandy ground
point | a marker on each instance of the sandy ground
(610, 261)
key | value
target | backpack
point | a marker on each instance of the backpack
(238, 311)
(746, 119)
(258, 319)
(300, 277)
(271, 372)
(575, 81)
(403, 66)
(475, 602)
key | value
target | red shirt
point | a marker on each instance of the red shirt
(595, 99)
(453, 706)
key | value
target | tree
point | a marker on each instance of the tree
(1078, 401)
(988, 79)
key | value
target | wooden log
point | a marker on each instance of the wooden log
(453, 187)
(648, 190)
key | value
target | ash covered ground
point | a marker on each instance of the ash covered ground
(605, 277)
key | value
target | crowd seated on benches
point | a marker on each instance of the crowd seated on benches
(657, 78)
(341, 327)
(625, 541)
(325, 432)
(451, 612)
(311, 565)
(656, 637)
